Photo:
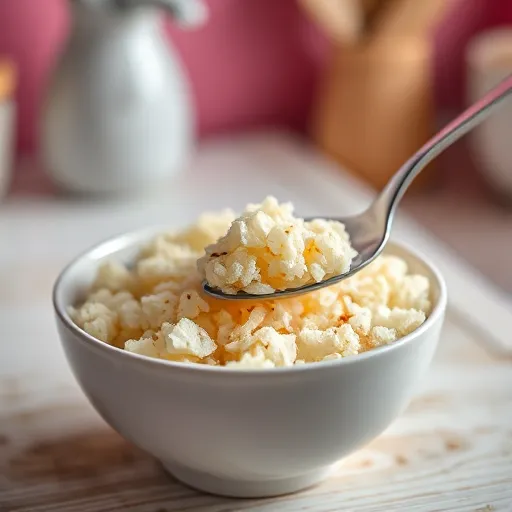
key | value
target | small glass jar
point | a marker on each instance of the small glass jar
(7, 118)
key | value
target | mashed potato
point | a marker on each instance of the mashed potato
(157, 308)
(268, 249)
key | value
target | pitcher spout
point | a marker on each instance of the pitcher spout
(187, 13)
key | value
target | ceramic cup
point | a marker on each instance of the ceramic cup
(489, 61)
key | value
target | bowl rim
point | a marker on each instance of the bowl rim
(107, 246)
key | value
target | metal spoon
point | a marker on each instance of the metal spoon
(369, 231)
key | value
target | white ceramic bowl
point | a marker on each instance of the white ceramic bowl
(244, 433)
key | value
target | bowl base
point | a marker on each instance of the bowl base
(211, 484)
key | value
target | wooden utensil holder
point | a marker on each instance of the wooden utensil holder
(376, 107)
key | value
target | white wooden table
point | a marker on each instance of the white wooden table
(451, 450)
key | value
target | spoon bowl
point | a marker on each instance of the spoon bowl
(369, 231)
(367, 237)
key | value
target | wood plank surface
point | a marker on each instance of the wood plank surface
(450, 451)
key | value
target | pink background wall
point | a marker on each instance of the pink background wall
(255, 63)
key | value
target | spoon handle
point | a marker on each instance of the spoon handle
(465, 122)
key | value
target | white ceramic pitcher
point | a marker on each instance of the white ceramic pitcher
(118, 113)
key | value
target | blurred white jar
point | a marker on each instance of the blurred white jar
(488, 61)
(118, 114)
(7, 110)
